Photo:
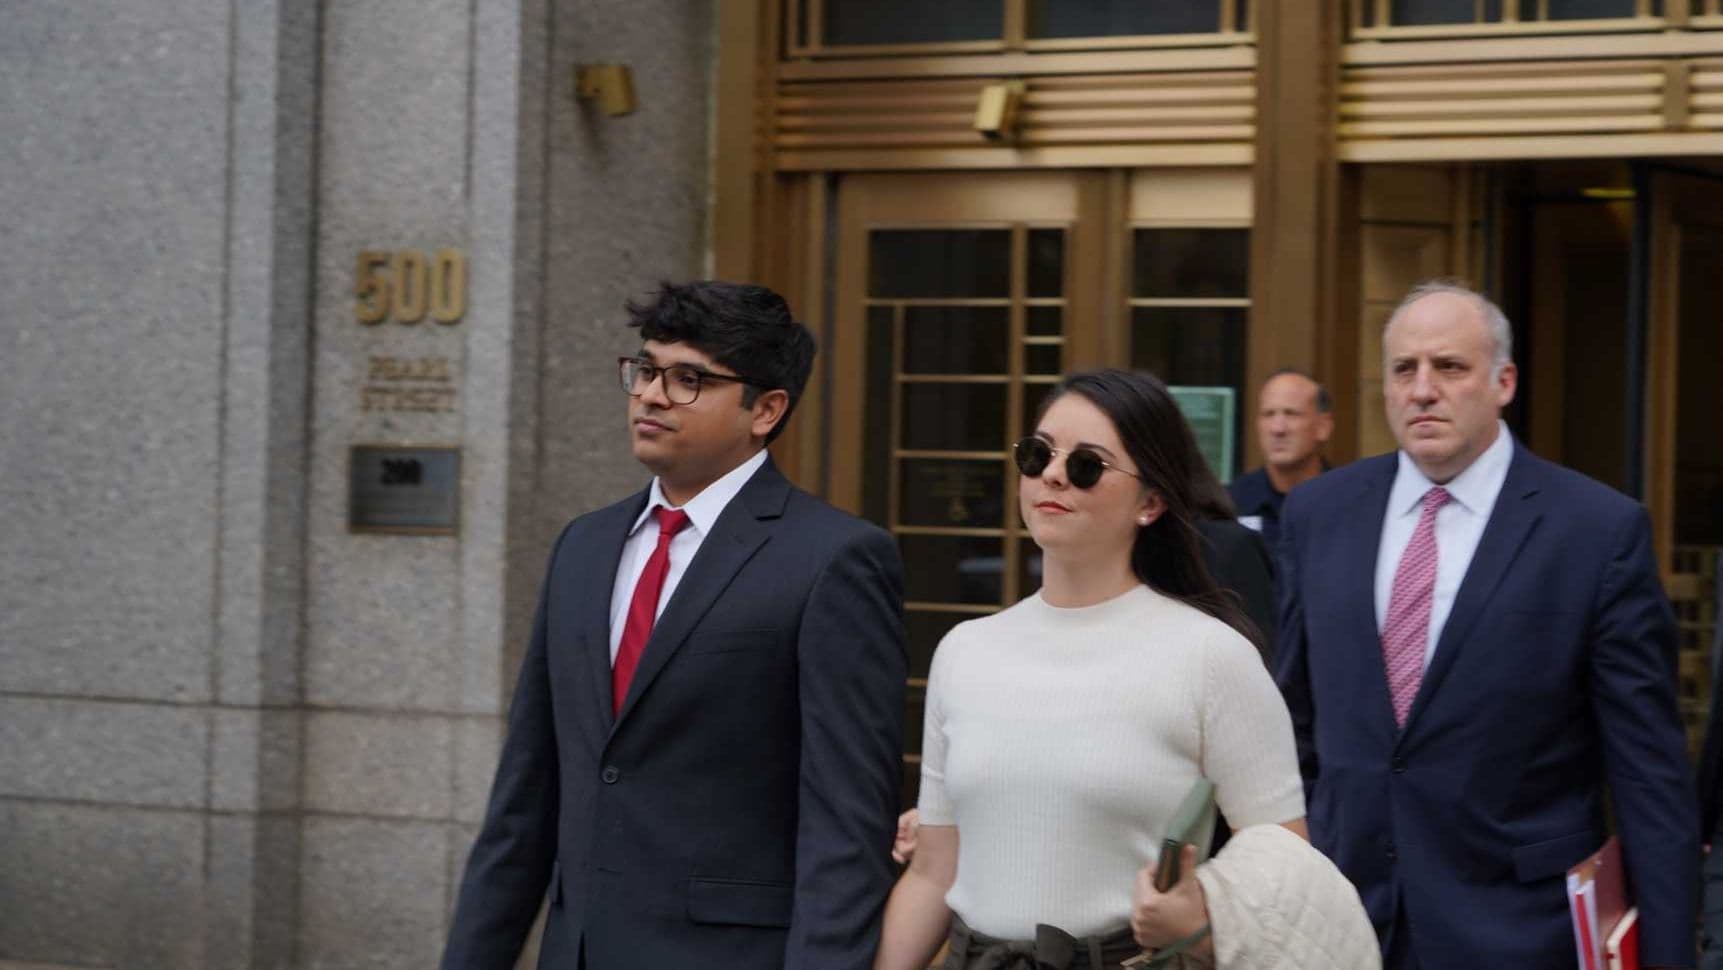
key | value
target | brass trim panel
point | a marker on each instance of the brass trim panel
(1531, 109)
(1522, 48)
(1571, 146)
(1240, 57)
(927, 122)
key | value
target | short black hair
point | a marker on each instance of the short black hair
(746, 328)
(1324, 402)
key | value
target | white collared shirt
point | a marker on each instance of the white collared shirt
(703, 511)
(1459, 527)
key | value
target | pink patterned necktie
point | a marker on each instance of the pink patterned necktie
(1406, 634)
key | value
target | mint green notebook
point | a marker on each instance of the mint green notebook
(1192, 824)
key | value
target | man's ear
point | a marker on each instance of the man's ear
(769, 409)
(1507, 382)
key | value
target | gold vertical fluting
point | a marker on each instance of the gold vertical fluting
(1016, 24)
(1677, 94)
(815, 25)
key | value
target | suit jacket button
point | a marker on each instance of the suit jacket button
(1392, 855)
(1398, 764)
(610, 775)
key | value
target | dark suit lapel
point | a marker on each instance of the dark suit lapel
(595, 610)
(1361, 543)
(742, 528)
(1511, 522)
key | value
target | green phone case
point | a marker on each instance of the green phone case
(1192, 824)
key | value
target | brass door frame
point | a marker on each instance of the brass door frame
(988, 200)
(826, 247)
(1102, 209)
(1017, 202)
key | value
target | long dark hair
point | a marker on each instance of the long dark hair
(1167, 555)
(1209, 498)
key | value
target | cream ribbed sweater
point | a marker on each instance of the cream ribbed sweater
(1060, 741)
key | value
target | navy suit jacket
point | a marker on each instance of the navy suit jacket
(740, 811)
(1240, 562)
(1554, 676)
(1253, 494)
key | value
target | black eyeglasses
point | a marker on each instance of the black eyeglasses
(1083, 467)
(682, 382)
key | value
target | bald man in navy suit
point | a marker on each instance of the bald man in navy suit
(1475, 648)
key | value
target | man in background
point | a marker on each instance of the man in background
(1294, 419)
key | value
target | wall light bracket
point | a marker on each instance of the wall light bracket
(996, 114)
(610, 86)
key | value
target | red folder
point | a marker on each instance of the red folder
(1597, 899)
(1622, 947)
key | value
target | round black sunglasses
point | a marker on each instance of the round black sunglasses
(1083, 467)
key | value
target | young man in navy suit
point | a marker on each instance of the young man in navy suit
(704, 751)
(1475, 646)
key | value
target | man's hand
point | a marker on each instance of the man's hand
(1158, 919)
(908, 828)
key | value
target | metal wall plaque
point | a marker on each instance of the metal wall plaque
(404, 490)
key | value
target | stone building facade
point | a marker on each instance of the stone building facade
(233, 731)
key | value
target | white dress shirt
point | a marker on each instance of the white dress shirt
(1459, 527)
(703, 511)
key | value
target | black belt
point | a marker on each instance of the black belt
(1052, 949)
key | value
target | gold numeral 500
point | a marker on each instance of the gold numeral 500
(406, 286)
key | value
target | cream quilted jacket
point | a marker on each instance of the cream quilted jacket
(1275, 903)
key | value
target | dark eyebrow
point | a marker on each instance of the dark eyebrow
(1103, 449)
(647, 356)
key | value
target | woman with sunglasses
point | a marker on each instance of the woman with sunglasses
(1062, 733)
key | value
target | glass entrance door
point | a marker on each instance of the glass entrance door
(959, 301)
(1684, 461)
(958, 304)
(1683, 458)
(1612, 269)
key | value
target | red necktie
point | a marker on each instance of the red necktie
(643, 608)
(1406, 632)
